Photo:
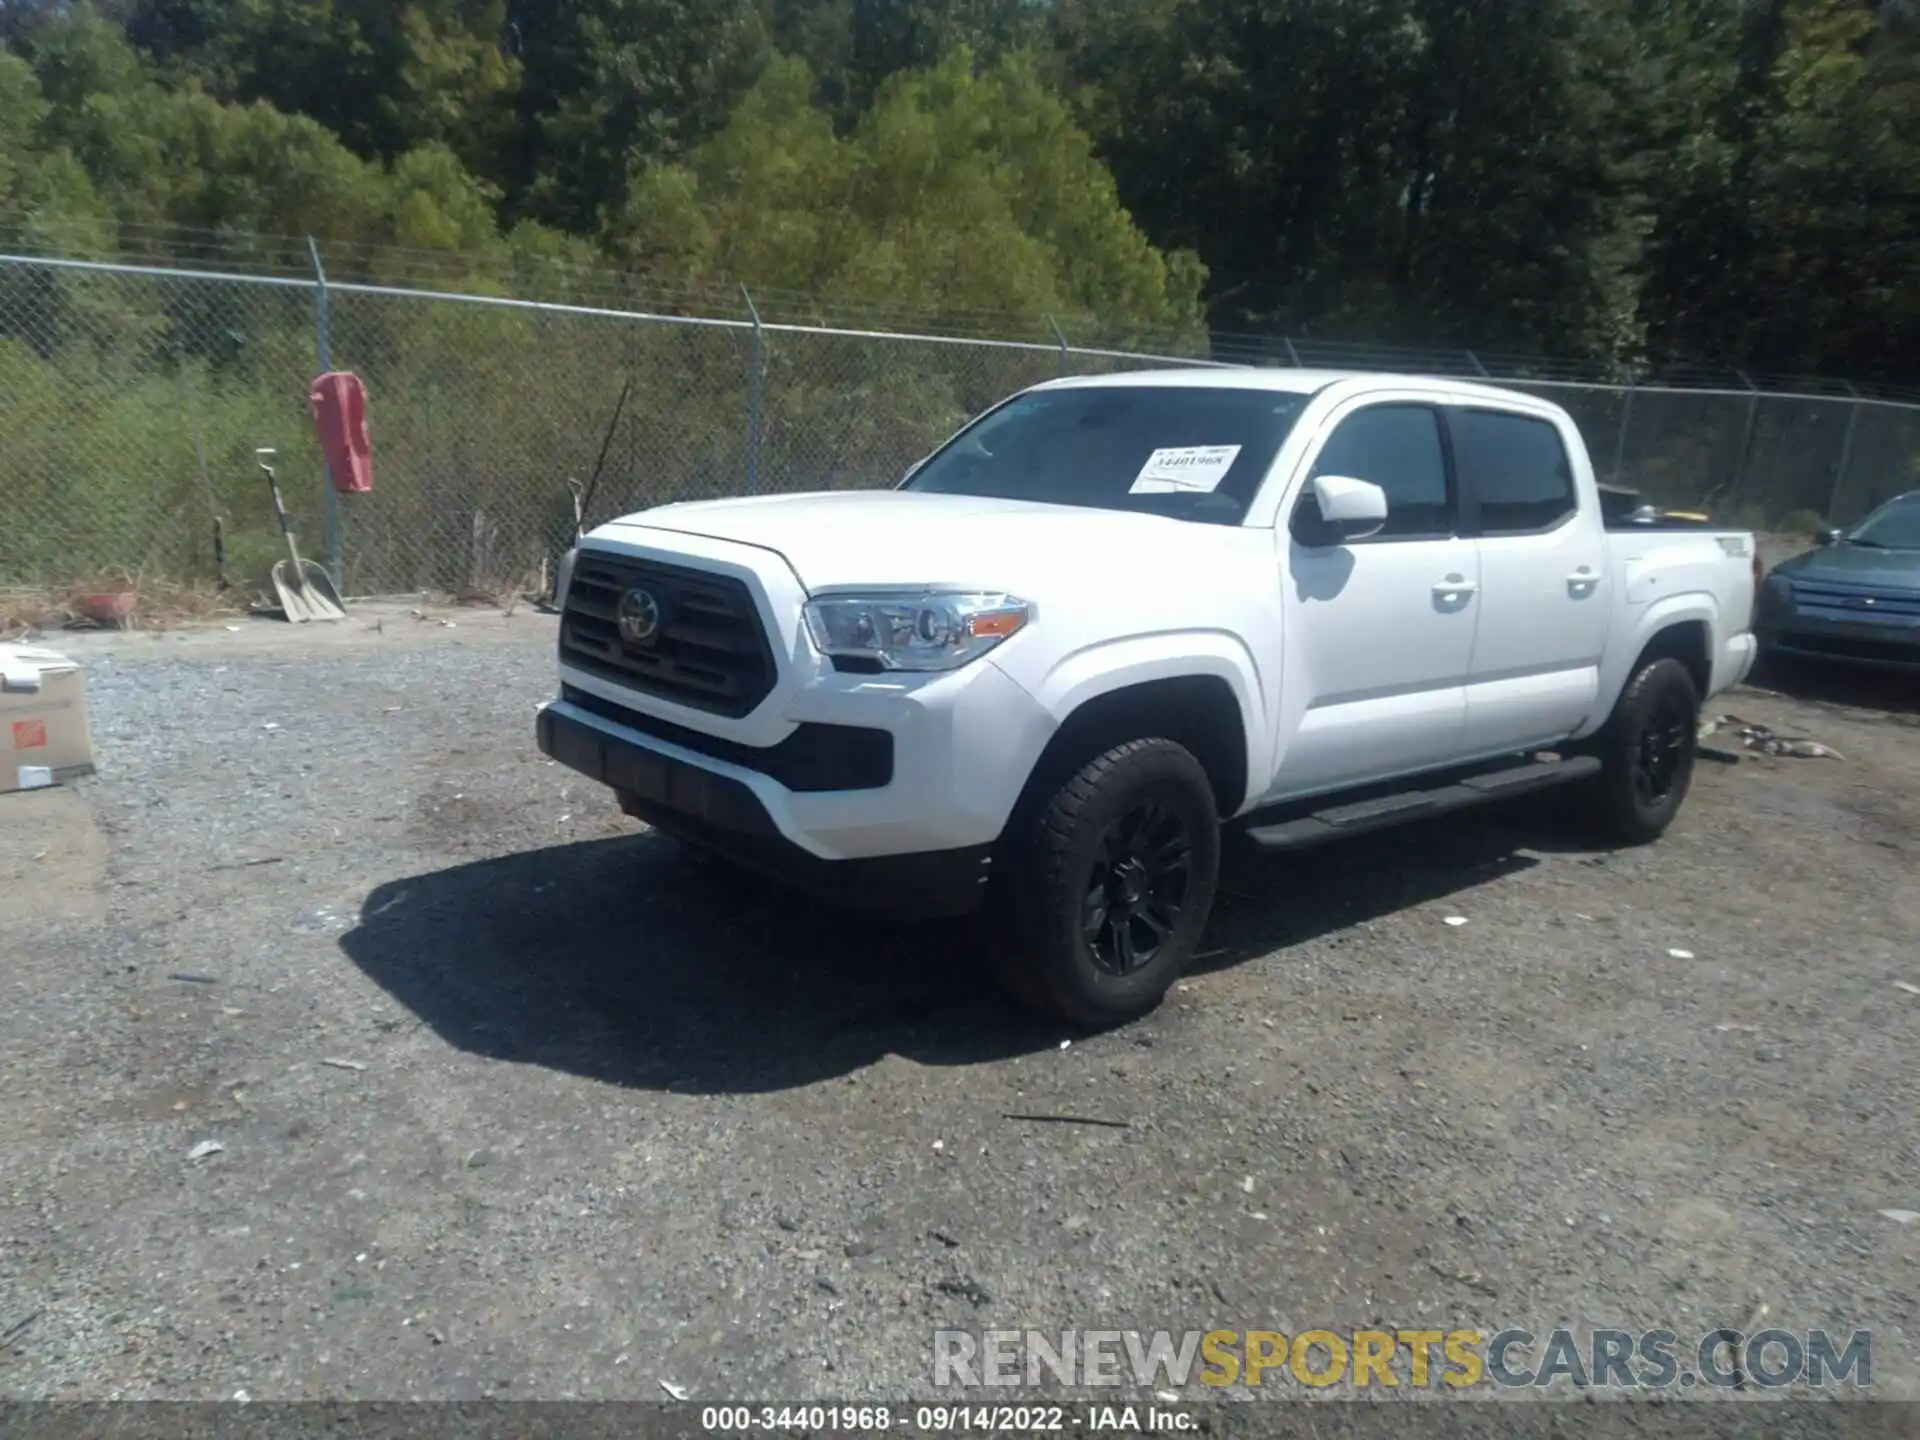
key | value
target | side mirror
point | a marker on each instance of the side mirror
(1826, 537)
(1349, 509)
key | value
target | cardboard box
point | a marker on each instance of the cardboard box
(44, 739)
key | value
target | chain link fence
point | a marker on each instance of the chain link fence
(132, 400)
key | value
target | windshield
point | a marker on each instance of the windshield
(1894, 526)
(1191, 452)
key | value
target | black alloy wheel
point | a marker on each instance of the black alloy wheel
(1661, 754)
(1138, 888)
(1646, 751)
(1104, 891)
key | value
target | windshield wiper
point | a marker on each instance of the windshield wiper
(1870, 544)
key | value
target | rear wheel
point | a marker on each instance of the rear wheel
(1646, 753)
(1106, 891)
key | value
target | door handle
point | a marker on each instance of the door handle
(1582, 579)
(1455, 587)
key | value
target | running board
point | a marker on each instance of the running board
(1340, 821)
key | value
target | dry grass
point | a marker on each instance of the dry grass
(159, 604)
(504, 595)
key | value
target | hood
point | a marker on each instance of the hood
(906, 537)
(1845, 564)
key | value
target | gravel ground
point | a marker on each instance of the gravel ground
(608, 1118)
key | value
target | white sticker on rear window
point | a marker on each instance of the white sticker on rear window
(1196, 469)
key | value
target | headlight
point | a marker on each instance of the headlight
(915, 630)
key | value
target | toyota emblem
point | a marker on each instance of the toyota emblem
(639, 617)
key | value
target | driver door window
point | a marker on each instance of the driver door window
(1396, 447)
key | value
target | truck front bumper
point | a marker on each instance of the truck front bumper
(721, 813)
(1862, 643)
(1875, 627)
(888, 791)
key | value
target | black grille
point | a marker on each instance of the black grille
(1855, 602)
(1846, 647)
(710, 651)
(813, 758)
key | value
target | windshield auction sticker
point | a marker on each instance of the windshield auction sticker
(1196, 469)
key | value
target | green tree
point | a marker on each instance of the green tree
(957, 193)
(609, 85)
(22, 109)
(93, 137)
(1788, 232)
(1419, 170)
(1732, 180)
(382, 75)
(853, 46)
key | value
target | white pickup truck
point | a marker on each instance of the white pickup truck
(1113, 614)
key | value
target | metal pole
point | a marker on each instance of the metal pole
(1620, 441)
(1746, 440)
(1846, 457)
(1481, 369)
(323, 348)
(1293, 355)
(756, 395)
(1066, 358)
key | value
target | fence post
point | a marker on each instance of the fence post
(756, 395)
(1620, 440)
(1066, 358)
(323, 352)
(1846, 455)
(1746, 440)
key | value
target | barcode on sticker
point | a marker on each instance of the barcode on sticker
(29, 734)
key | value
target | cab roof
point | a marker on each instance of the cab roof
(1287, 380)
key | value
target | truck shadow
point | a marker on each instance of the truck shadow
(630, 961)
(1270, 902)
(626, 960)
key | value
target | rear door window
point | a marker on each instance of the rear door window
(1514, 469)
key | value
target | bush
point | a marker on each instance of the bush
(1803, 522)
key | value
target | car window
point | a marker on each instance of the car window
(1515, 466)
(1894, 526)
(1396, 447)
(1187, 451)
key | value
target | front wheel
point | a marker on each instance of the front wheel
(1646, 752)
(1108, 889)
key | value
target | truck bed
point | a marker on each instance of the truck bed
(1692, 523)
(1623, 509)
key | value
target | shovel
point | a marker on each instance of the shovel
(305, 591)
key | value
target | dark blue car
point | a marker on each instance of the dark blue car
(1856, 598)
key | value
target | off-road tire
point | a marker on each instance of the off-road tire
(1646, 751)
(1079, 957)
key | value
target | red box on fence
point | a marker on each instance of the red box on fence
(339, 404)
